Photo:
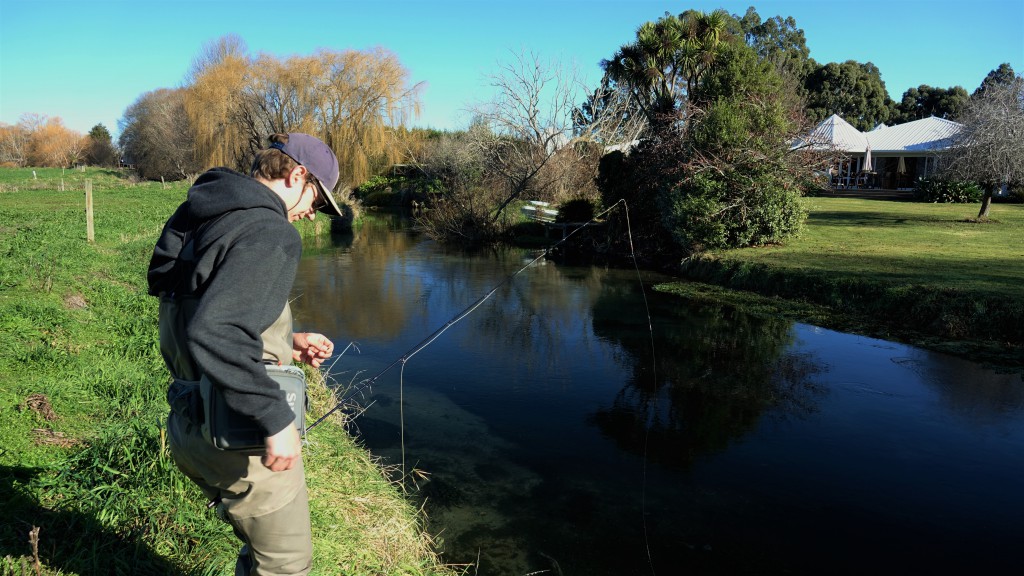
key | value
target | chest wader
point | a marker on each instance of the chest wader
(269, 511)
(191, 394)
(195, 398)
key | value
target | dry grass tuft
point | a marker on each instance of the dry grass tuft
(40, 404)
(75, 302)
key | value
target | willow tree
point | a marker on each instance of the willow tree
(364, 103)
(214, 102)
(356, 101)
(54, 144)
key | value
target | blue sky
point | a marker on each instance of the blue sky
(86, 61)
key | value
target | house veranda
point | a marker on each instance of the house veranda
(886, 158)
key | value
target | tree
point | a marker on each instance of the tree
(621, 120)
(1003, 75)
(458, 163)
(725, 177)
(220, 106)
(779, 42)
(989, 149)
(14, 145)
(667, 60)
(156, 136)
(356, 101)
(100, 149)
(925, 101)
(739, 182)
(58, 145)
(364, 102)
(45, 141)
(852, 90)
(530, 138)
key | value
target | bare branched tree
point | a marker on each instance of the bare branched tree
(14, 145)
(611, 116)
(533, 117)
(990, 148)
(157, 137)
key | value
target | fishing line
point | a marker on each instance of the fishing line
(654, 378)
(458, 317)
(476, 304)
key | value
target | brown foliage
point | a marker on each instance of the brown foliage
(53, 144)
(356, 101)
(40, 404)
(38, 140)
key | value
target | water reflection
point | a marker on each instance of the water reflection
(715, 373)
(371, 298)
(556, 439)
(969, 390)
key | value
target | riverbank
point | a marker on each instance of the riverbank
(83, 457)
(924, 274)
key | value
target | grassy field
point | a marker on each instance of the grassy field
(83, 458)
(931, 245)
(924, 273)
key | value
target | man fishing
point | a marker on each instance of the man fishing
(223, 269)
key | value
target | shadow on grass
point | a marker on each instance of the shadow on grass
(845, 218)
(70, 542)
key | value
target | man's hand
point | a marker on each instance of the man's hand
(311, 348)
(283, 449)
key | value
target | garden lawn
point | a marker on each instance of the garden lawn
(929, 245)
(928, 274)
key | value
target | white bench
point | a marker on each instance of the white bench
(538, 211)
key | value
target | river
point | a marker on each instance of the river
(559, 427)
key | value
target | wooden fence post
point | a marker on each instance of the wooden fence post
(90, 234)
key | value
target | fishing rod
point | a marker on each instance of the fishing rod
(459, 316)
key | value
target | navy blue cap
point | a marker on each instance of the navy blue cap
(319, 159)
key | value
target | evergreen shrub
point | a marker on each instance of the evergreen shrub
(380, 191)
(941, 190)
(576, 210)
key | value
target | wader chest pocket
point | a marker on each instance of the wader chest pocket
(229, 430)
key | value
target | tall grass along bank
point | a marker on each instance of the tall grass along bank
(86, 481)
(928, 274)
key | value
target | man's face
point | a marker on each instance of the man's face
(308, 203)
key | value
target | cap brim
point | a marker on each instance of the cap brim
(332, 208)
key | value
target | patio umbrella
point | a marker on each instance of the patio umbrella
(901, 167)
(867, 160)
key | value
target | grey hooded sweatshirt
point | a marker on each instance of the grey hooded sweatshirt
(228, 256)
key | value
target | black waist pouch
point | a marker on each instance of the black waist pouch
(229, 430)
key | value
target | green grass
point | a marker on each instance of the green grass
(924, 273)
(932, 245)
(83, 455)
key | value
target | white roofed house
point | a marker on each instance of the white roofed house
(887, 157)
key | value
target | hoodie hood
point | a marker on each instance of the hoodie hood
(215, 194)
(220, 191)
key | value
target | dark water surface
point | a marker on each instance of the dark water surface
(556, 439)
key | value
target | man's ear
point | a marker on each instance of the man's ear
(297, 177)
